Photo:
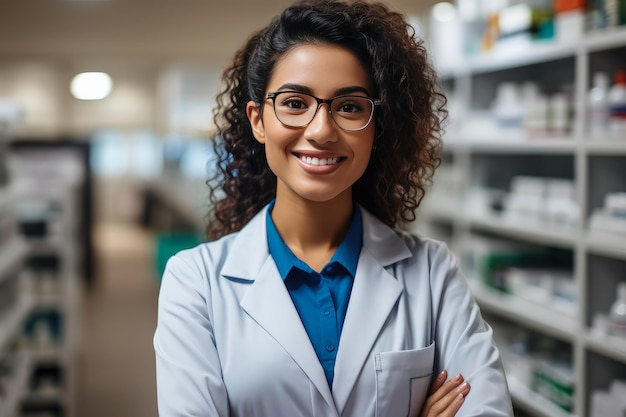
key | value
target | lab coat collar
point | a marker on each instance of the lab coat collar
(250, 250)
(269, 304)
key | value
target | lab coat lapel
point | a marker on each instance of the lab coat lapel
(374, 295)
(270, 305)
(268, 302)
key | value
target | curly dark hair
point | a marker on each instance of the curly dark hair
(408, 123)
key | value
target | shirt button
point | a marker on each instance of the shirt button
(330, 347)
(326, 312)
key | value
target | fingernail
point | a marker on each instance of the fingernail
(457, 378)
(442, 374)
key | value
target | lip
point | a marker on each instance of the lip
(318, 169)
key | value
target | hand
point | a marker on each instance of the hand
(445, 397)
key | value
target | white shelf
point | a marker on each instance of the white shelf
(12, 319)
(537, 52)
(529, 230)
(50, 355)
(533, 315)
(46, 246)
(607, 244)
(533, 402)
(605, 39)
(7, 197)
(17, 387)
(517, 144)
(608, 345)
(516, 56)
(606, 146)
(55, 396)
(11, 255)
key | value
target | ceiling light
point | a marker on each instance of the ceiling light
(91, 85)
(444, 11)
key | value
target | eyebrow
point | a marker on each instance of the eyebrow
(340, 92)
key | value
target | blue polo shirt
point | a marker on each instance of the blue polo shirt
(321, 299)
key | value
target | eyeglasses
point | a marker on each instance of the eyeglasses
(297, 109)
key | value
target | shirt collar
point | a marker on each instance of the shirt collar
(347, 254)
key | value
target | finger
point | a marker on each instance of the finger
(438, 382)
(453, 407)
(441, 392)
(449, 404)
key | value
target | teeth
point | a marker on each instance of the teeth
(319, 161)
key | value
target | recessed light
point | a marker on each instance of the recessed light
(91, 85)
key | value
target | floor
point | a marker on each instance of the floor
(116, 359)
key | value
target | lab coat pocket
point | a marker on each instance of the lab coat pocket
(402, 381)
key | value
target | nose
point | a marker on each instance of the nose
(322, 128)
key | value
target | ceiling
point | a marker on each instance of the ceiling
(207, 30)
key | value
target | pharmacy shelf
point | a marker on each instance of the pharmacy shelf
(606, 39)
(17, 387)
(50, 355)
(46, 397)
(46, 246)
(476, 151)
(610, 245)
(607, 345)
(606, 147)
(12, 319)
(516, 144)
(536, 53)
(507, 58)
(532, 315)
(528, 230)
(606, 244)
(7, 197)
(11, 255)
(532, 402)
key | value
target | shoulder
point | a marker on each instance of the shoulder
(239, 255)
(393, 246)
(202, 261)
(424, 246)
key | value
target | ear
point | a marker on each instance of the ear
(253, 111)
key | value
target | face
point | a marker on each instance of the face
(320, 161)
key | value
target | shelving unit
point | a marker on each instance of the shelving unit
(477, 160)
(41, 252)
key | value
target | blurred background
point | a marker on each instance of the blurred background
(105, 128)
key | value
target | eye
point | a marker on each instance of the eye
(351, 105)
(293, 103)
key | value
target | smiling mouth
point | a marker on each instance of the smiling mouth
(319, 161)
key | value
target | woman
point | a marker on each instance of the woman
(309, 301)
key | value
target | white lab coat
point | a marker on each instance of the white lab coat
(229, 341)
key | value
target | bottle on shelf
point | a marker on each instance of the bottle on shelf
(598, 104)
(617, 314)
(617, 103)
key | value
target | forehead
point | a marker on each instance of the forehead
(322, 68)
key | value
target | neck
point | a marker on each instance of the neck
(311, 227)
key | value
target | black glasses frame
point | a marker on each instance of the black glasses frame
(375, 102)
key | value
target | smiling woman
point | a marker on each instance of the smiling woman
(313, 134)
(310, 299)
